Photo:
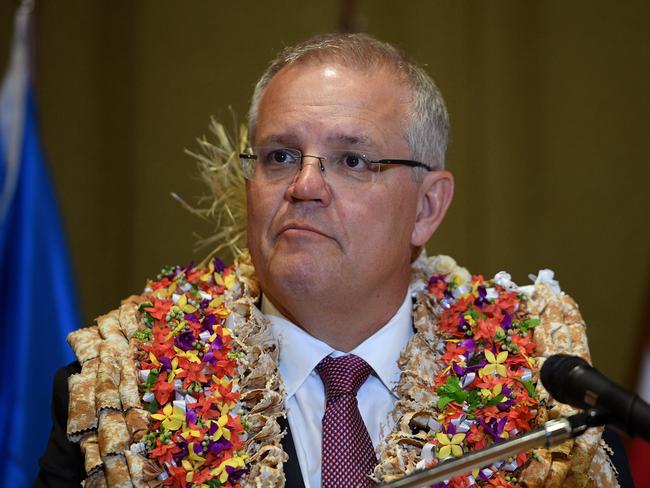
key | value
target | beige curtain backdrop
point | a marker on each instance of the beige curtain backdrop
(550, 115)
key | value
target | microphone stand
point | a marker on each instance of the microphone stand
(549, 434)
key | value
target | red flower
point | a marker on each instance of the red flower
(476, 437)
(162, 389)
(191, 372)
(177, 478)
(224, 367)
(159, 309)
(163, 452)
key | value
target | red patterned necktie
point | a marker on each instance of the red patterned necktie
(348, 456)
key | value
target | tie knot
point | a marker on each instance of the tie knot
(343, 375)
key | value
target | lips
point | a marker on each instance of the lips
(293, 226)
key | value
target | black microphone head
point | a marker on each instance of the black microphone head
(555, 372)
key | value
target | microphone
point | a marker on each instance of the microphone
(571, 380)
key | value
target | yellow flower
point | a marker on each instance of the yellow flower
(184, 306)
(174, 371)
(172, 417)
(226, 282)
(206, 276)
(222, 311)
(495, 392)
(475, 289)
(216, 301)
(194, 456)
(191, 355)
(222, 430)
(450, 445)
(495, 364)
(154, 359)
(235, 462)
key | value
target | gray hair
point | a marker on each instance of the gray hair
(427, 130)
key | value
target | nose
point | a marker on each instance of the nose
(309, 183)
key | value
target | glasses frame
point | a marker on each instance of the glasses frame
(402, 162)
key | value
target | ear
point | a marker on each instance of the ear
(434, 197)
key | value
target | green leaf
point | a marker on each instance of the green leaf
(148, 319)
(443, 402)
(496, 400)
(474, 398)
(474, 313)
(529, 385)
(151, 379)
(153, 406)
(527, 325)
(452, 390)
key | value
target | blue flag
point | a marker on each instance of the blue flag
(37, 300)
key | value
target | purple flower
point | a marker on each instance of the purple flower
(178, 457)
(480, 301)
(216, 345)
(469, 344)
(434, 279)
(216, 447)
(485, 474)
(493, 428)
(191, 417)
(209, 321)
(192, 317)
(219, 267)
(234, 474)
(462, 323)
(165, 361)
(185, 340)
(506, 323)
(459, 370)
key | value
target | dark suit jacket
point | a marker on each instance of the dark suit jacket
(62, 464)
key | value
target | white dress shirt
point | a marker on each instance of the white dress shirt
(300, 353)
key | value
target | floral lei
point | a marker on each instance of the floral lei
(468, 381)
(486, 388)
(189, 380)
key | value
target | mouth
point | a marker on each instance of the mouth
(301, 230)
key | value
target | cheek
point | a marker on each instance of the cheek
(390, 220)
(260, 210)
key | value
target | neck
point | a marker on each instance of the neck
(342, 324)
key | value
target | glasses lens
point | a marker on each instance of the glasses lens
(247, 165)
(352, 167)
(277, 163)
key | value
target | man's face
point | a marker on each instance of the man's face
(311, 238)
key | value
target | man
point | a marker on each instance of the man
(333, 250)
(345, 184)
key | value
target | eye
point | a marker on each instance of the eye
(280, 157)
(354, 161)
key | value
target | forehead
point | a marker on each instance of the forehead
(327, 103)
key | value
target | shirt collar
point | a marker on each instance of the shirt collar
(381, 350)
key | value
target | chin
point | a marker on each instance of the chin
(301, 272)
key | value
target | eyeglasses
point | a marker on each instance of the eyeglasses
(276, 164)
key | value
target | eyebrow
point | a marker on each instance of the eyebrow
(348, 140)
(339, 139)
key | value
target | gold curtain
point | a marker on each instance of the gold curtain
(549, 108)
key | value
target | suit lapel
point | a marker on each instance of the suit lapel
(292, 471)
